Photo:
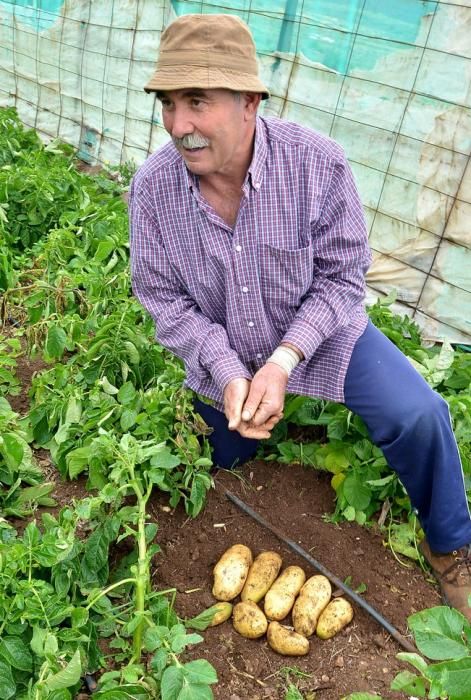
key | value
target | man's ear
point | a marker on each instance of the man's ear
(251, 102)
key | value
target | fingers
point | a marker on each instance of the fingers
(266, 395)
(235, 394)
(259, 406)
(253, 433)
(234, 419)
(251, 405)
(254, 408)
(264, 412)
(261, 432)
(274, 420)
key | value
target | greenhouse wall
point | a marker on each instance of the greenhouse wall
(389, 80)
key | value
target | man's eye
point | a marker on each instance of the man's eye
(195, 102)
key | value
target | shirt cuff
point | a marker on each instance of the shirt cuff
(226, 369)
(303, 336)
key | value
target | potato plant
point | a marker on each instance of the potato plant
(113, 408)
(21, 480)
(442, 635)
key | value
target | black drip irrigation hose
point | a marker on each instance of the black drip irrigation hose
(400, 639)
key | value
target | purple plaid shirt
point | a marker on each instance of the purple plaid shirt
(292, 268)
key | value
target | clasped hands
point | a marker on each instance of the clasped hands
(253, 408)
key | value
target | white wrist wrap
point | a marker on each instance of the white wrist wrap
(284, 357)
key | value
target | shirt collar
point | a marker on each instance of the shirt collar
(192, 180)
(259, 157)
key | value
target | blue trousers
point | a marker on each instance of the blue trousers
(409, 422)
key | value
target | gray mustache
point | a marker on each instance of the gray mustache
(191, 141)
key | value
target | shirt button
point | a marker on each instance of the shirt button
(245, 289)
(238, 248)
(259, 355)
(251, 324)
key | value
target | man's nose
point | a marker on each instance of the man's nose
(180, 123)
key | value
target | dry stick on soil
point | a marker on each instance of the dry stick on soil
(320, 567)
(247, 675)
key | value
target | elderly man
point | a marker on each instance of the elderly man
(249, 249)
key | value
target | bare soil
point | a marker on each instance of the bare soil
(294, 500)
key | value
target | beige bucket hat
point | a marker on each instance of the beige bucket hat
(207, 52)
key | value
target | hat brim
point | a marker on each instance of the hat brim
(182, 77)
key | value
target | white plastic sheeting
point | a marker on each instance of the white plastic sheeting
(389, 81)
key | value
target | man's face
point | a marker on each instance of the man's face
(206, 126)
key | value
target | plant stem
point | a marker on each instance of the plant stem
(107, 590)
(142, 576)
(43, 673)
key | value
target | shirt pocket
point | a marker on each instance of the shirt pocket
(285, 274)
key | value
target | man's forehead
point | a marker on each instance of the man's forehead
(185, 92)
(211, 93)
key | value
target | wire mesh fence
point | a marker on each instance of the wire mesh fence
(389, 81)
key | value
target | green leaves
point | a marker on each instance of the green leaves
(200, 671)
(437, 368)
(127, 394)
(409, 683)
(14, 651)
(188, 682)
(77, 461)
(40, 191)
(163, 459)
(200, 483)
(7, 683)
(17, 466)
(439, 633)
(94, 566)
(203, 620)
(445, 634)
(356, 492)
(174, 638)
(67, 677)
(10, 348)
(453, 676)
(128, 419)
(292, 693)
(56, 341)
(115, 408)
(124, 692)
(12, 449)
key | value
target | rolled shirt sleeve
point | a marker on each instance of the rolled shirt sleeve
(180, 325)
(341, 258)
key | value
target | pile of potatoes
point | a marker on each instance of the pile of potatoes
(309, 601)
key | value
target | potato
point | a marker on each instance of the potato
(284, 641)
(231, 571)
(249, 620)
(334, 617)
(222, 612)
(262, 574)
(317, 586)
(313, 598)
(280, 598)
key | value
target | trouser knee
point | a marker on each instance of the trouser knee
(418, 417)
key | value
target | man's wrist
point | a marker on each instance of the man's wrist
(226, 369)
(298, 352)
(285, 357)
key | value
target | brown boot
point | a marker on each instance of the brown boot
(453, 573)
